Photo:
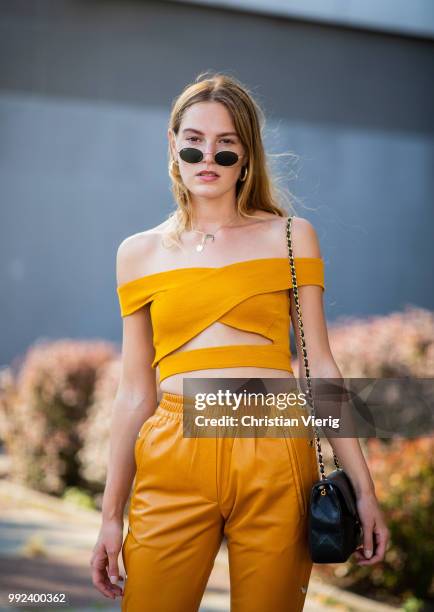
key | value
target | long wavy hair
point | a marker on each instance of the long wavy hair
(259, 191)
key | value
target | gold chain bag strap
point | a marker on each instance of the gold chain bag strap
(334, 527)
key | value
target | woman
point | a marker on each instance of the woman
(216, 274)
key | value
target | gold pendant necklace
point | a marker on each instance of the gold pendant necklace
(200, 247)
(205, 235)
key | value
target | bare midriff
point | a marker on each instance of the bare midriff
(219, 334)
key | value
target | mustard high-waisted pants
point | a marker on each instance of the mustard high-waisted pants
(189, 492)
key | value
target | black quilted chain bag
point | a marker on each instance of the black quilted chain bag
(334, 526)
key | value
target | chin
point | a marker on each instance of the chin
(202, 189)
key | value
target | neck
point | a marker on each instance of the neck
(208, 215)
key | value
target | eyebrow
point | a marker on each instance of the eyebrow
(201, 133)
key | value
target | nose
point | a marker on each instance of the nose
(208, 154)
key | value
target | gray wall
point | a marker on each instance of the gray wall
(85, 92)
(398, 16)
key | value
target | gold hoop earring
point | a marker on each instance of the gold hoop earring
(245, 175)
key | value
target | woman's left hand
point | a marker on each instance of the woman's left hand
(375, 532)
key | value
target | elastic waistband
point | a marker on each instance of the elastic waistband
(174, 403)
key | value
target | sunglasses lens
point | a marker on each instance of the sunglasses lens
(191, 155)
(226, 158)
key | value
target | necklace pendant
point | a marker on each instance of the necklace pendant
(200, 246)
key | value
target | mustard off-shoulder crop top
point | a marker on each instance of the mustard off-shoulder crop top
(250, 295)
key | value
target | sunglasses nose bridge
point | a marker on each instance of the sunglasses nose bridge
(208, 154)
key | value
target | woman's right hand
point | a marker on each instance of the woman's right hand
(104, 561)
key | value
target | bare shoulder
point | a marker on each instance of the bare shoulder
(305, 242)
(134, 252)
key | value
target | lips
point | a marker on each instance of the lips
(207, 173)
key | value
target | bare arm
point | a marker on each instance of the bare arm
(323, 365)
(135, 401)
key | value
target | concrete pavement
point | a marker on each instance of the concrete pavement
(46, 545)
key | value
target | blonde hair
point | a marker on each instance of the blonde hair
(259, 191)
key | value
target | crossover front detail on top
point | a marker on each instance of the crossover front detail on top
(250, 295)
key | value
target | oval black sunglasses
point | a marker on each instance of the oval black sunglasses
(192, 155)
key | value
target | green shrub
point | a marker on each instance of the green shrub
(79, 497)
(396, 345)
(392, 346)
(95, 430)
(41, 407)
(403, 472)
